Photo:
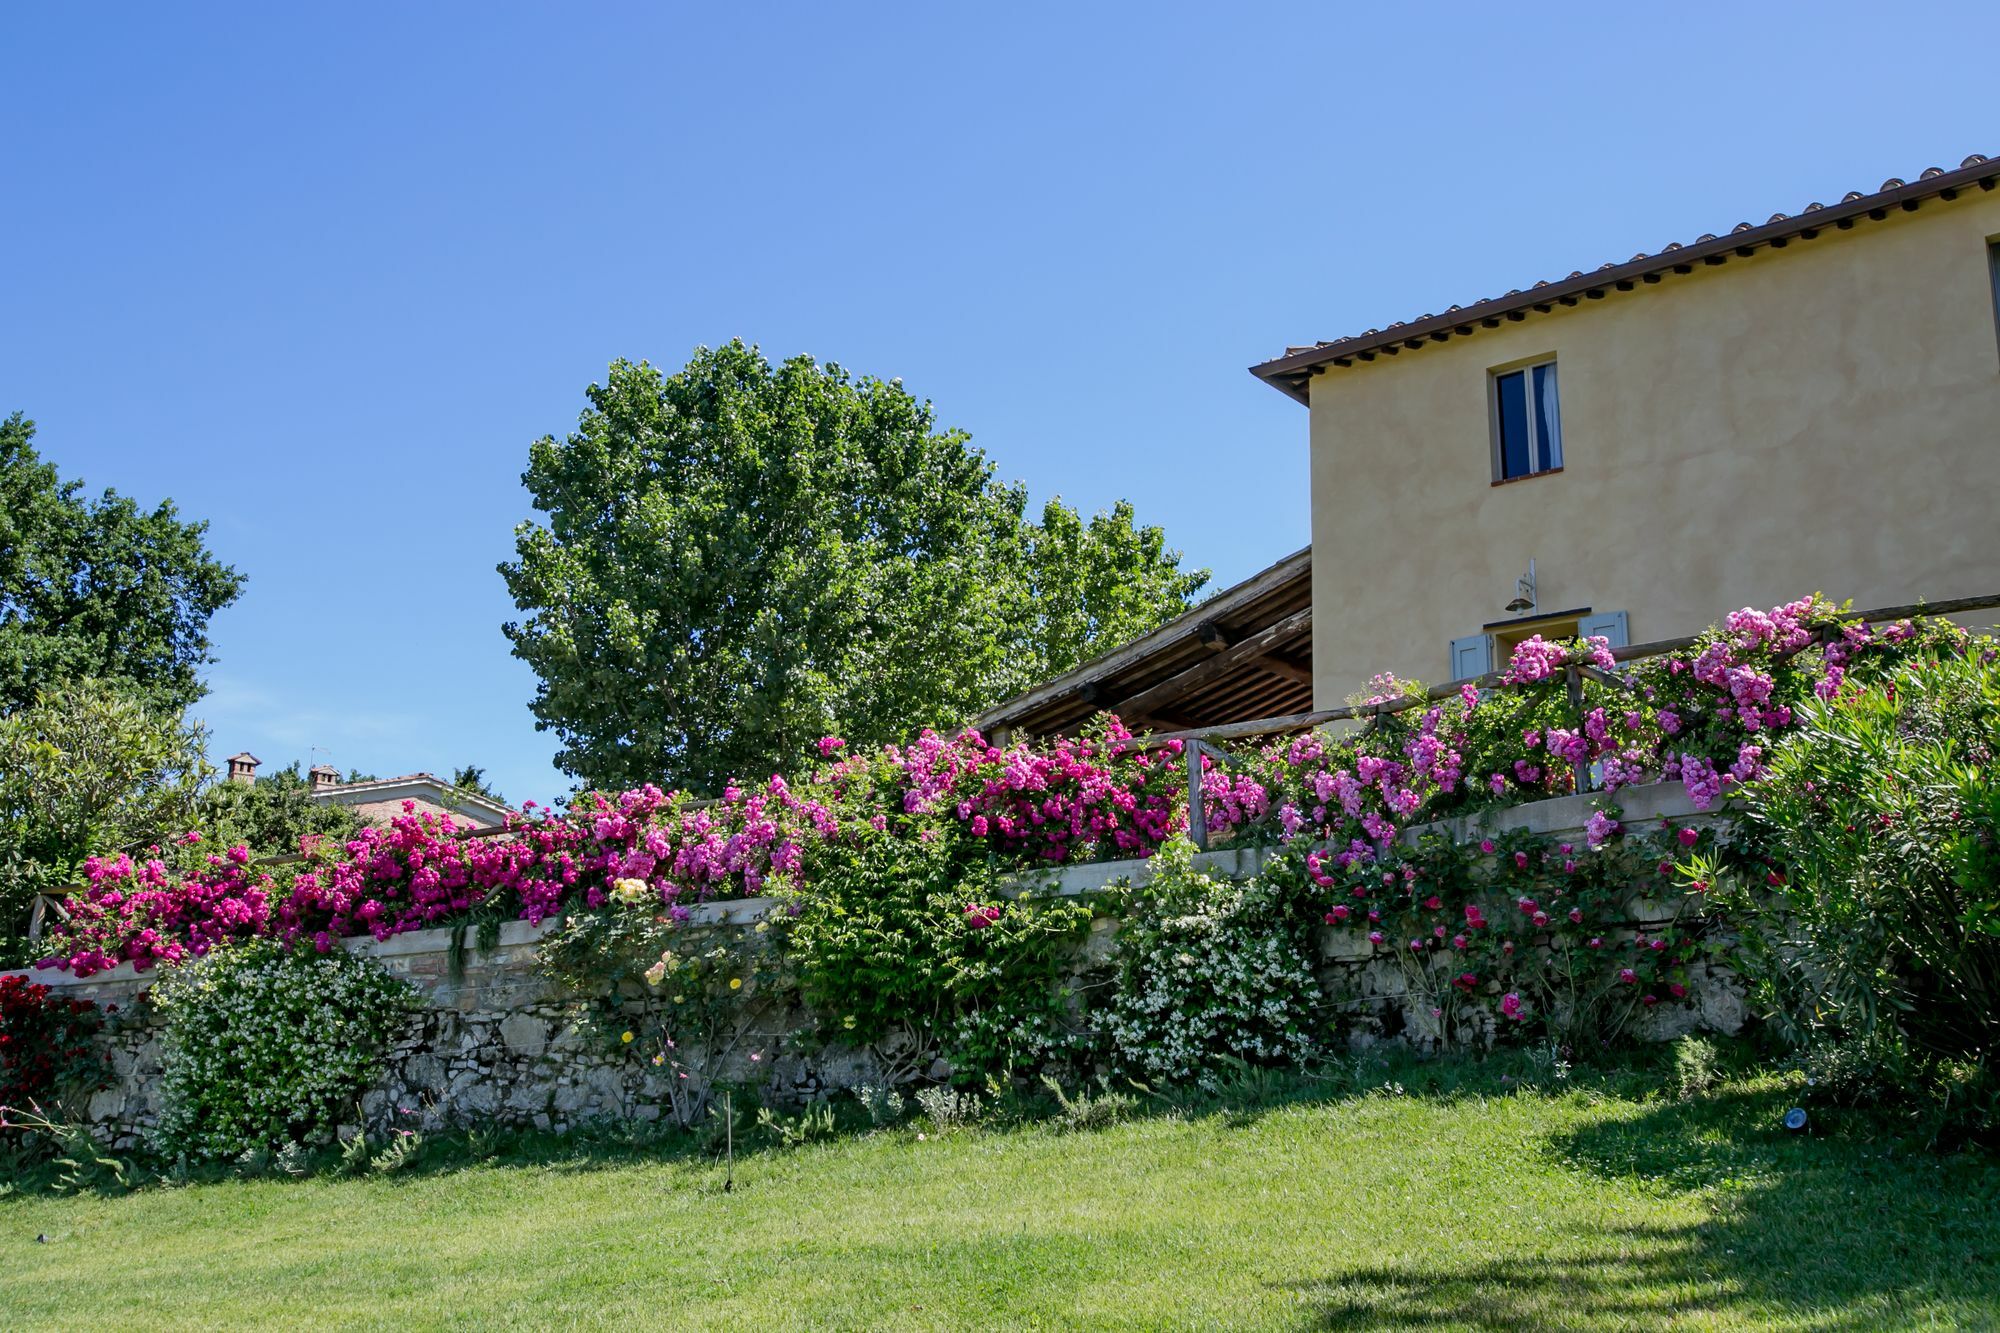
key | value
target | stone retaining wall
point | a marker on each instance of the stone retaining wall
(496, 1044)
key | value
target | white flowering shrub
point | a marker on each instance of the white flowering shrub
(263, 1048)
(1210, 970)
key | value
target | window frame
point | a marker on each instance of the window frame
(1993, 273)
(1501, 637)
(1525, 369)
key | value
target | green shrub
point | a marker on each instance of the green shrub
(1088, 1111)
(1697, 1067)
(948, 1108)
(812, 1125)
(906, 946)
(1210, 970)
(883, 1104)
(264, 1048)
(1865, 891)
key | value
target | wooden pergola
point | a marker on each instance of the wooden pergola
(1244, 653)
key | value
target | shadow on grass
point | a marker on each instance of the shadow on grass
(1829, 1233)
(1643, 1277)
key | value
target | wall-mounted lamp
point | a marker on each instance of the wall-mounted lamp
(1524, 588)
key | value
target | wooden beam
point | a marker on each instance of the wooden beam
(1071, 684)
(1174, 720)
(1278, 666)
(1254, 646)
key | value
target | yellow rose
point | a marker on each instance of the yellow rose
(736, 983)
(625, 1036)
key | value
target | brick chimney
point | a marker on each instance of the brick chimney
(243, 767)
(323, 776)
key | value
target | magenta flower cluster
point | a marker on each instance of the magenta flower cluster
(1075, 800)
(1706, 719)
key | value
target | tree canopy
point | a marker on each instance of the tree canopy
(472, 778)
(273, 814)
(99, 588)
(740, 558)
(88, 769)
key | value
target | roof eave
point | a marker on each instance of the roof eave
(1273, 576)
(1292, 374)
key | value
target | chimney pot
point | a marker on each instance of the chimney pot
(243, 768)
(324, 776)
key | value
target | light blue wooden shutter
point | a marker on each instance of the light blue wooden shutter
(1472, 656)
(1611, 625)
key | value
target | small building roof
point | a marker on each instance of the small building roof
(1244, 653)
(416, 786)
(1293, 372)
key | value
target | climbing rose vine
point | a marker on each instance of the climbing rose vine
(1077, 799)
(1706, 718)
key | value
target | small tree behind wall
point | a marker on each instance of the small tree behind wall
(87, 769)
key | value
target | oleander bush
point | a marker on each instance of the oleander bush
(1864, 886)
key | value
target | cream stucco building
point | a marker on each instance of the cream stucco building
(1809, 404)
(1812, 403)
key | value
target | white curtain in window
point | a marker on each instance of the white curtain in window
(1549, 413)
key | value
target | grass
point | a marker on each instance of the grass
(1459, 1199)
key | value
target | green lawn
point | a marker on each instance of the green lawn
(1588, 1207)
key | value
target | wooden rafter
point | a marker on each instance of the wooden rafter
(1253, 647)
(1291, 671)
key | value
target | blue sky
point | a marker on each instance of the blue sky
(320, 273)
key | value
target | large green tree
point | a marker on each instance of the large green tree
(739, 558)
(98, 587)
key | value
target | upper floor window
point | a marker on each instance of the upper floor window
(1527, 422)
(1993, 264)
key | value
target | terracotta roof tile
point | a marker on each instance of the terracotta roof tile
(1290, 371)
